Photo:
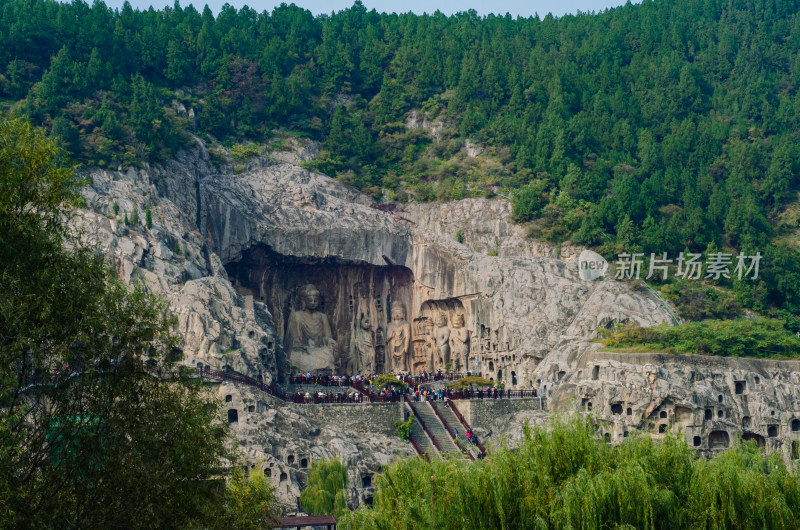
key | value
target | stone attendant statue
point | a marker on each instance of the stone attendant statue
(309, 340)
(362, 359)
(459, 339)
(399, 338)
(441, 339)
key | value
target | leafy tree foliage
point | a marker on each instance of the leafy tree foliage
(88, 436)
(565, 476)
(248, 501)
(326, 491)
(658, 126)
(735, 338)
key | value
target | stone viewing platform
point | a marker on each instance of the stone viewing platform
(355, 390)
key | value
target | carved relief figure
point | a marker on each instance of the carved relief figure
(362, 360)
(459, 339)
(308, 335)
(441, 340)
(399, 338)
(421, 357)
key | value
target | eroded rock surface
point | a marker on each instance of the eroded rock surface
(233, 253)
(285, 439)
(709, 400)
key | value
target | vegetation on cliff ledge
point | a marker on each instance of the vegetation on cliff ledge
(761, 337)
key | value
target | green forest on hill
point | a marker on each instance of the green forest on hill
(657, 127)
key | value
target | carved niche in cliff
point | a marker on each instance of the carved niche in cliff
(443, 338)
(333, 317)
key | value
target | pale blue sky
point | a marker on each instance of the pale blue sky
(483, 7)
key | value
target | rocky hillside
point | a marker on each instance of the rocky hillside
(234, 253)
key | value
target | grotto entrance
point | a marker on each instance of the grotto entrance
(333, 316)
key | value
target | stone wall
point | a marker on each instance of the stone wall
(356, 417)
(492, 418)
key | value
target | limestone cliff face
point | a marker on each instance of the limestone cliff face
(518, 306)
(233, 253)
(708, 400)
(247, 242)
(285, 440)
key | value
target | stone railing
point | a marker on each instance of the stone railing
(450, 431)
(466, 426)
(491, 394)
(422, 423)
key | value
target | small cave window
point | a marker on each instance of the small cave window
(251, 408)
(662, 428)
(772, 412)
(719, 398)
(720, 413)
(491, 366)
(662, 414)
(616, 408)
(233, 416)
(368, 500)
(772, 431)
(625, 434)
(595, 372)
(514, 378)
(284, 476)
(795, 425)
(366, 481)
(268, 472)
(719, 440)
(746, 422)
(696, 441)
(290, 460)
(760, 441)
(251, 333)
(499, 375)
(709, 414)
(757, 380)
(228, 398)
(561, 375)
(304, 462)
(629, 412)
(607, 438)
(740, 386)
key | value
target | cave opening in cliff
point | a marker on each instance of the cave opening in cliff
(760, 441)
(719, 440)
(339, 314)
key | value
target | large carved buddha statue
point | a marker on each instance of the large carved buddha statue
(399, 338)
(459, 340)
(309, 340)
(441, 339)
(362, 358)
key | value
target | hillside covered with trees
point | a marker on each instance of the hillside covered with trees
(656, 127)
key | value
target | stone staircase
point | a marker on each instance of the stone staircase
(454, 423)
(425, 412)
(423, 441)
